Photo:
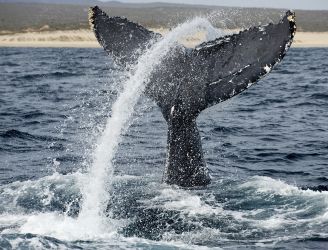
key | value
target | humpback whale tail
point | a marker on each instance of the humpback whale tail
(191, 80)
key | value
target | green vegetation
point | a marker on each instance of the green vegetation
(17, 17)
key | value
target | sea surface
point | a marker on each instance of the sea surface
(266, 150)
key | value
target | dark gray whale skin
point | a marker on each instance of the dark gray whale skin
(190, 80)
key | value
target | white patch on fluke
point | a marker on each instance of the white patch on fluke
(172, 110)
(250, 84)
(291, 18)
(91, 18)
(215, 82)
(267, 68)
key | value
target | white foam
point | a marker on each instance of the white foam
(283, 216)
(63, 227)
(268, 185)
(184, 201)
(191, 237)
(190, 205)
(43, 189)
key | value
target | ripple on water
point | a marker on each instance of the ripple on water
(275, 131)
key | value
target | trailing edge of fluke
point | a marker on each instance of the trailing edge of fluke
(191, 80)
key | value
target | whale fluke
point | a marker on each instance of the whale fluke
(191, 80)
(122, 39)
(233, 63)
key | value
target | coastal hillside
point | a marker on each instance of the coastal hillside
(71, 15)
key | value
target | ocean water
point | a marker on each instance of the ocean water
(266, 149)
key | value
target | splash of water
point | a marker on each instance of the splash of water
(92, 222)
(95, 189)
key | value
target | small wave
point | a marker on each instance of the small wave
(33, 241)
(318, 81)
(9, 64)
(110, 241)
(298, 156)
(227, 129)
(56, 74)
(13, 133)
(312, 68)
(183, 200)
(284, 71)
(32, 114)
(7, 114)
(322, 178)
(319, 188)
(268, 185)
(3, 169)
(322, 96)
(306, 104)
(270, 138)
(246, 109)
(16, 134)
(69, 158)
(63, 74)
(280, 171)
(30, 123)
(318, 238)
(269, 101)
(56, 193)
(270, 154)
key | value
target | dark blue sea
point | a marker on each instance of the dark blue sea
(266, 149)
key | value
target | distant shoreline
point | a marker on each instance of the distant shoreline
(85, 39)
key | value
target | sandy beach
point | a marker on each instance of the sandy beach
(86, 39)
